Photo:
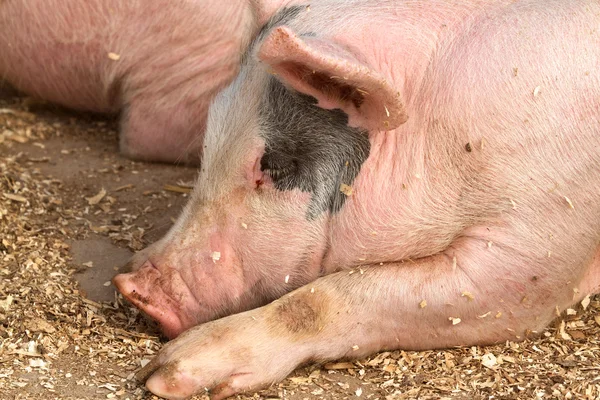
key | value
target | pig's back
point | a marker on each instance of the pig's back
(56, 50)
(97, 55)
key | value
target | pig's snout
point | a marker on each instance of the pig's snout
(181, 287)
(162, 295)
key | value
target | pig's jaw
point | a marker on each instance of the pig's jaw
(179, 298)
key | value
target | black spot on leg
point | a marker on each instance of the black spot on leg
(299, 316)
(309, 148)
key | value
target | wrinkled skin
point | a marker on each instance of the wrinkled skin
(474, 217)
(172, 59)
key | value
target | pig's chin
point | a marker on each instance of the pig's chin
(172, 306)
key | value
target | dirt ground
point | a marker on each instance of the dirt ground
(72, 211)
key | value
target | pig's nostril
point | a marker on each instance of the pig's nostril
(149, 290)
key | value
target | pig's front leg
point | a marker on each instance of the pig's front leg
(470, 294)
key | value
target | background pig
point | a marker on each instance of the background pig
(159, 62)
(424, 174)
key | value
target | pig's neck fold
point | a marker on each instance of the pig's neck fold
(393, 204)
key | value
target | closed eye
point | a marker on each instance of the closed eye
(277, 174)
(278, 167)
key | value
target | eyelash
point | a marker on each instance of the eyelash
(277, 174)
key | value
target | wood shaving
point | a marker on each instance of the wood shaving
(468, 295)
(346, 189)
(339, 365)
(586, 302)
(177, 189)
(562, 333)
(15, 197)
(489, 360)
(569, 202)
(92, 201)
(114, 56)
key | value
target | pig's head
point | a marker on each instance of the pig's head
(278, 153)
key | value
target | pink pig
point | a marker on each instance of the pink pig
(158, 62)
(417, 174)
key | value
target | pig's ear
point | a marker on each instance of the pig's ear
(334, 77)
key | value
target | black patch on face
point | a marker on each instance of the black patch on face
(309, 148)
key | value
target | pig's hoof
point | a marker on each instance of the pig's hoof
(224, 357)
(172, 382)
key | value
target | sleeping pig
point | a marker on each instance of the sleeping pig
(383, 174)
(158, 62)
